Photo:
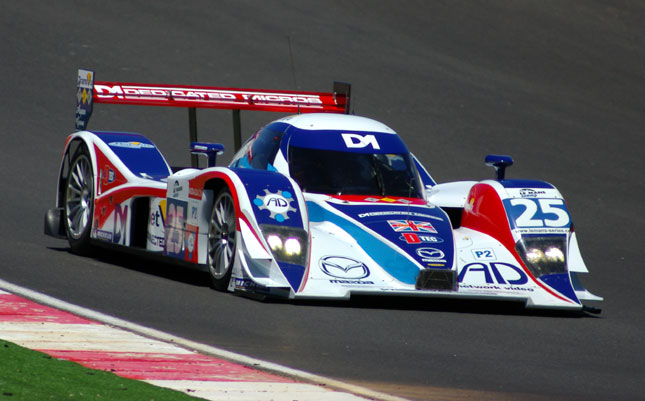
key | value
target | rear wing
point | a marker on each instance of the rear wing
(90, 91)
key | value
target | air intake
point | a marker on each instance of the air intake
(436, 279)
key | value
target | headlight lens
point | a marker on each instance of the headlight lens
(287, 244)
(543, 255)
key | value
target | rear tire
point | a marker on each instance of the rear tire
(222, 240)
(78, 204)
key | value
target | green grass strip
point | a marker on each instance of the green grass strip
(27, 375)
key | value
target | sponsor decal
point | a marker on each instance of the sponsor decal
(388, 200)
(531, 193)
(166, 94)
(431, 255)
(360, 141)
(414, 238)
(248, 284)
(344, 268)
(131, 145)
(156, 240)
(336, 281)
(176, 189)
(80, 120)
(484, 254)
(120, 223)
(84, 79)
(103, 235)
(493, 273)
(84, 83)
(156, 225)
(174, 233)
(398, 213)
(158, 216)
(278, 204)
(411, 226)
(195, 193)
(191, 242)
(470, 205)
(108, 175)
(194, 213)
(495, 287)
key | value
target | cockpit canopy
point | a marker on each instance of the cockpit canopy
(345, 155)
(347, 173)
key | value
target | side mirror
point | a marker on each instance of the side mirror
(499, 162)
(210, 150)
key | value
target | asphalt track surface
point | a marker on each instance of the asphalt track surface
(558, 85)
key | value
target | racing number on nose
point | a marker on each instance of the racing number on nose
(539, 212)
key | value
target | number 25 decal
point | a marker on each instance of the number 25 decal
(539, 212)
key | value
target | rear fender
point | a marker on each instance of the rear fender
(116, 184)
(117, 158)
(54, 218)
(72, 143)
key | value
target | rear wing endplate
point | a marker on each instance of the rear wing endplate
(90, 91)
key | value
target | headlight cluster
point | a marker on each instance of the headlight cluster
(543, 255)
(287, 244)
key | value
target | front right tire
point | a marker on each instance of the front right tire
(222, 240)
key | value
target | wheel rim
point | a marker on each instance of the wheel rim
(221, 236)
(78, 197)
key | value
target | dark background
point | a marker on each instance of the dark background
(559, 85)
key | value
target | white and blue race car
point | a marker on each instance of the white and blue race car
(318, 205)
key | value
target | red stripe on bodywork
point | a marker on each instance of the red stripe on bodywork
(103, 166)
(104, 204)
(197, 184)
(484, 212)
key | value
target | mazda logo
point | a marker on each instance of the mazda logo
(342, 267)
(430, 253)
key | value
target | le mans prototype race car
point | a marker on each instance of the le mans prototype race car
(318, 205)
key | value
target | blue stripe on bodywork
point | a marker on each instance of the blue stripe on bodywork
(138, 153)
(395, 222)
(264, 187)
(333, 140)
(525, 184)
(562, 283)
(391, 261)
(293, 273)
(274, 202)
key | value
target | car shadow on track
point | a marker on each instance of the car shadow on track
(162, 268)
(467, 306)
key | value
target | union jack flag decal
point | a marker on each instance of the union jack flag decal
(411, 225)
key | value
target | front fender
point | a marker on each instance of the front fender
(275, 198)
(526, 216)
(262, 199)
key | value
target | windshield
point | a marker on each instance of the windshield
(346, 173)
